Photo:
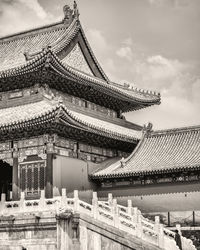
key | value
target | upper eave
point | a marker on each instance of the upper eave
(48, 60)
(159, 152)
(17, 48)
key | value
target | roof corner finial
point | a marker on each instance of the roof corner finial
(148, 128)
(68, 14)
(76, 11)
(123, 163)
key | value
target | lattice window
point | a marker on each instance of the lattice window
(32, 177)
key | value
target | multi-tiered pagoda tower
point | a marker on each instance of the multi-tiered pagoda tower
(61, 118)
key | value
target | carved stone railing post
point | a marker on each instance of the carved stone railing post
(42, 202)
(135, 214)
(2, 203)
(110, 199)
(64, 197)
(22, 203)
(178, 227)
(95, 205)
(11, 195)
(157, 222)
(159, 229)
(130, 208)
(76, 201)
(115, 212)
(161, 236)
(139, 229)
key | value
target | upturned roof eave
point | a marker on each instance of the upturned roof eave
(120, 171)
(144, 173)
(48, 59)
(62, 115)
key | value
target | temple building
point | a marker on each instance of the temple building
(62, 125)
(60, 114)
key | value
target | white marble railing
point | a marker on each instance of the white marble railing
(146, 223)
(128, 219)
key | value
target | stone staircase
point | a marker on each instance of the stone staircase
(125, 219)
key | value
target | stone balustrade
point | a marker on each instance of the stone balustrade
(128, 219)
(167, 238)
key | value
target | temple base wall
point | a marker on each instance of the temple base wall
(45, 231)
(28, 231)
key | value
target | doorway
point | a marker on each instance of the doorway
(5, 179)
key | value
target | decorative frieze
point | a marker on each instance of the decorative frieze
(31, 142)
(24, 152)
(163, 180)
(8, 97)
(15, 94)
(151, 180)
(82, 151)
(5, 146)
(5, 155)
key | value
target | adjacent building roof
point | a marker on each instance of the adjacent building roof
(65, 49)
(54, 110)
(159, 151)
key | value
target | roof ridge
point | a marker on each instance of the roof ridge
(175, 130)
(29, 32)
(93, 55)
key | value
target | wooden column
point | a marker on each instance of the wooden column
(49, 176)
(15, 180)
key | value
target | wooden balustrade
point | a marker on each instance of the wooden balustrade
(128, 219)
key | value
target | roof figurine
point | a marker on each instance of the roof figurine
(68, 14)
(147, 129)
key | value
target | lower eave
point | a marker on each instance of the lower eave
(143, 173)
(51, 125)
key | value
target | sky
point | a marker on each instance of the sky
(151, 44)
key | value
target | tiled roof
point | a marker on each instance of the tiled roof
(14, 116)
(57, 37)
(23, 113)
(129, 94)
(106, 126)
(12, 49)
(160, 151)
(77, 60)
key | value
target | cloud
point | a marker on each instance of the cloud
(172, 3)
(103, 52)
(125, 52)
(36, 7)
(128, 41)
(161, 72)
(19, 15)
(97, 40)
(179, 87)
